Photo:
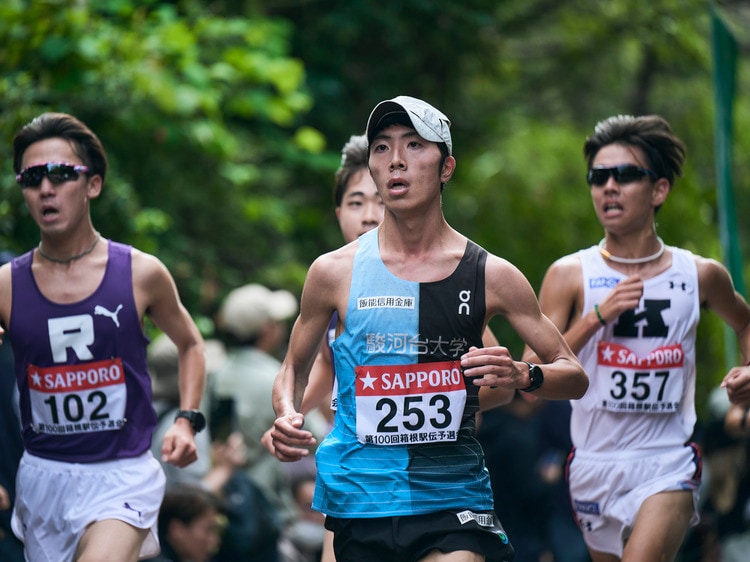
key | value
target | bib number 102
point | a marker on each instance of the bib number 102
(73, 408)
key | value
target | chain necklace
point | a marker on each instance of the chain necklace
(86, 252)
(652, 257)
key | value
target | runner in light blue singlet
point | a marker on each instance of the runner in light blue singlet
(409, 334)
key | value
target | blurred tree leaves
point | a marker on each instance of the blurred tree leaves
(198, 114)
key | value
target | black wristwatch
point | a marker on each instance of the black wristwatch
(195, 417)
(536, 377)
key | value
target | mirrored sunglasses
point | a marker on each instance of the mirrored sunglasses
(57, 172)
(624, 173)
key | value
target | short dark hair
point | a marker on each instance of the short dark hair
(651, 133)
(186, 503)
(353, 159)
(85, 143)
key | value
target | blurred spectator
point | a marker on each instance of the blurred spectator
(723, 534)
(509, 436)
(252, 528)
(526, 444)
(11, 549)
(306, 533)
(163, 366)
(563, 538)
(253, 321)
(190, 523)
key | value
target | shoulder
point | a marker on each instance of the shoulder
(147, 268)
(507, 288)
(334, 263)
(500, 266)
(711, 272)
(566, 268)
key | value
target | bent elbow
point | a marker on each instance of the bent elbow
(581, 386)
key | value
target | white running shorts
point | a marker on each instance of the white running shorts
(57, 501)
(607, 490)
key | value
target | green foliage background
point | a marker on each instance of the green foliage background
(223, 121)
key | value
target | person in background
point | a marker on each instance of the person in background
(163, 364)
(629, 307)
(88, 487)
(253, 321)
(190, 524)
(412, 296)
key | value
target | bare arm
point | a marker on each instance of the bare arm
(5, 298)
(717, 293)
(320, 381)
(510, 294)
(156, 296)
(326, 280)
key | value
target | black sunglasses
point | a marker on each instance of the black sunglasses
(57, 172)
(624, 173)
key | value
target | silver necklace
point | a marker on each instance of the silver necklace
(71, 258)
(652, 257)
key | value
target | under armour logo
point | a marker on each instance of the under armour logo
(683, 286)
(101, 311)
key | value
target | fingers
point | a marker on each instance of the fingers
(179, 452)
(478, 362)
(289, 441)
(737, 384)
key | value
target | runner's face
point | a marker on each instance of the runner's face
(361, 207)
(624, 205)
(407, 167)
(58, 207)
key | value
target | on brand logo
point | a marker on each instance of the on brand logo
(465, 297)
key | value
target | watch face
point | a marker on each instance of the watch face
(199, 421)
(536, 377)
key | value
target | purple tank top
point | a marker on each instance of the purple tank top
(81, 368)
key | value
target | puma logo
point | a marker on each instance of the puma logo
(101, 311)
(126, 505)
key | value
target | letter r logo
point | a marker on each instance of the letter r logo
(76, 332)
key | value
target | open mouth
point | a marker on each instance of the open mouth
(397, 184)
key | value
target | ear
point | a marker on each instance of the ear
(94, 186)
(449, 166)
(660, 192)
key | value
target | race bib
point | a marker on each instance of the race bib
(409, 404)
(79, 398)
(628, 383)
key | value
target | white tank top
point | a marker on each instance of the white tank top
(641, 366)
